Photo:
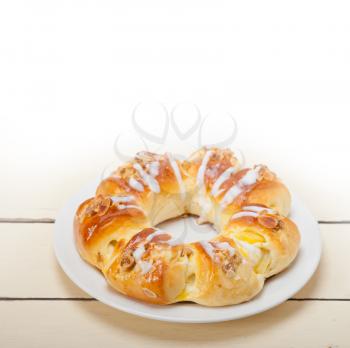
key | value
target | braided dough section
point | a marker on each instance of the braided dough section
(115, 230)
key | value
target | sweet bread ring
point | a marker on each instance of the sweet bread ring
(115, 230)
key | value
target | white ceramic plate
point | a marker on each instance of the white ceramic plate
(276, 290)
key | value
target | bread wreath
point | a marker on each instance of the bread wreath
(115, 230)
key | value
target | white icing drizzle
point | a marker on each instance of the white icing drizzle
(208, 247)
(202, 168)
(173, 241)
(226, 246)
(258, 209)
(122, 199)
(244, 213)
(253, 251)
(178, 176)
(154, 168)
(123, 206)
(150, 181)
(145, 267)
(249, 178)
(119, 200)
(230, 195)
(215, 191)
(138, 252)
(136, 185)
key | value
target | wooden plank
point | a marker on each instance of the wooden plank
(92, 324)
(28, 265)
(29, 269)
(331, 280)
(310, 156)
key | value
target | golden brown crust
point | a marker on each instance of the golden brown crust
(115, 232)
(276, 236)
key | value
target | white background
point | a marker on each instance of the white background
(71, 73)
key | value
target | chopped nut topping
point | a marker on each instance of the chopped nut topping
(146, 155)
(268, 221)
(186, 251)
(149, 293)
(99, 257)
(160, 238)
(125, 171)
(266, 174)
(127, 261)
(279, 226)
(99, 206)
(230, 265)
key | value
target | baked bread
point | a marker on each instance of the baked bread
(115, 230)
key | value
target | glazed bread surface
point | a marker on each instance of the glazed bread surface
(116, 231)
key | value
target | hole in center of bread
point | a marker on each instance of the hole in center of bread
(186, 229)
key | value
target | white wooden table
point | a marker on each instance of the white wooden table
(70, 74)
(40, 306)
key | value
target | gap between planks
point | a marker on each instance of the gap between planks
(52, 221)
(27, 221)
(89, 299)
